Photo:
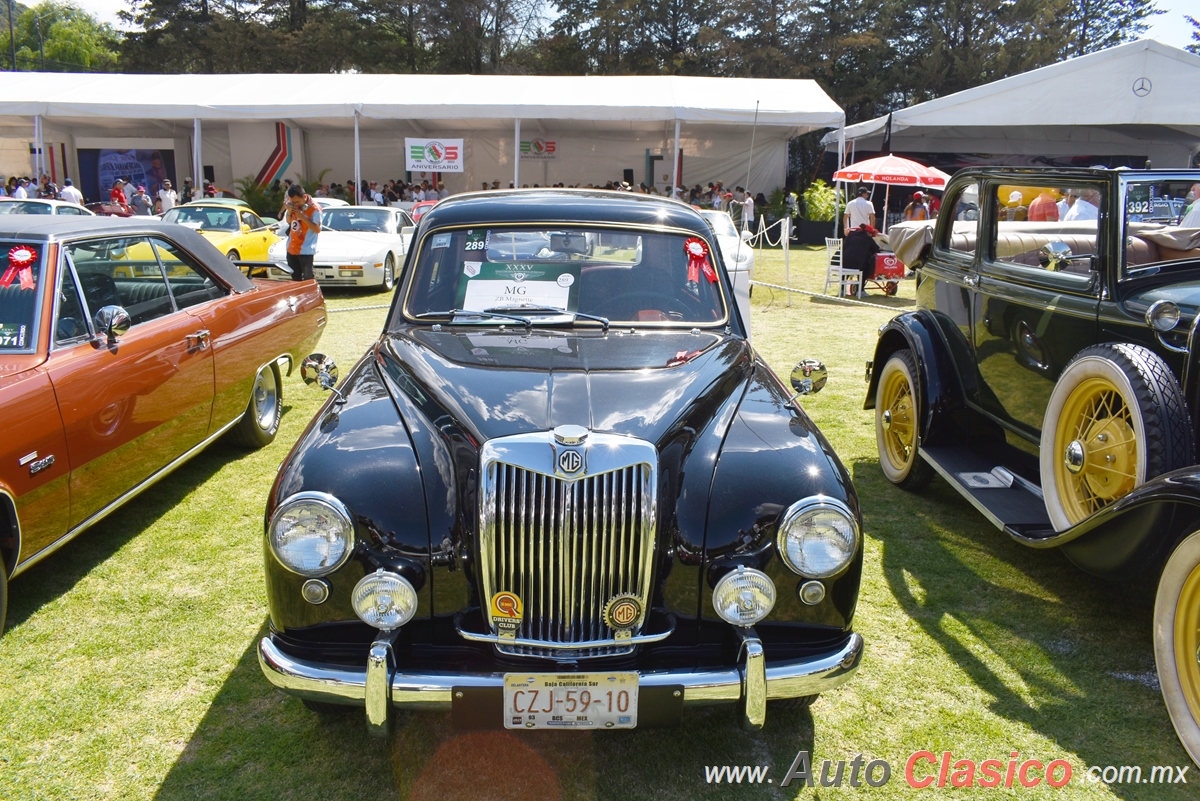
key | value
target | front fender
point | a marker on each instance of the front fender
(942, 392)
(772, 456)
(360, 452)
(1133, 537)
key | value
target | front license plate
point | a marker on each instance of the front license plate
(570, 700)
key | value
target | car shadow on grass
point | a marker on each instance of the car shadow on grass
(62, 570)
(255, 742)
(1051, 648)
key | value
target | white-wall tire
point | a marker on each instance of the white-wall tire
(898, 421)
(1177, 640)
(1115, 419)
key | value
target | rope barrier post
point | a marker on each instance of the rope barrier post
(786, 234)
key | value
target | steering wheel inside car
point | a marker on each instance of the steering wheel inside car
(679, 307)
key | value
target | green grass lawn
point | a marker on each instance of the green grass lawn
(129, 670)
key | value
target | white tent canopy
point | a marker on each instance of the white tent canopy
(1136, 99)
(710, 118)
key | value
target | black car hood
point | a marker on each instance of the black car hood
(492, 383)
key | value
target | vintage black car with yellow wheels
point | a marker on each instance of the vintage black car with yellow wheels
(1050, 374)
(562, 490)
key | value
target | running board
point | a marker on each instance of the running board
(1013, 504)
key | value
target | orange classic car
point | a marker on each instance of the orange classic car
(125, 348)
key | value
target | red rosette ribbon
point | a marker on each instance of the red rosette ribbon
(697, 253)
(20, 267)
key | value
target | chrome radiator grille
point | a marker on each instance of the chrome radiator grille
(567, 545)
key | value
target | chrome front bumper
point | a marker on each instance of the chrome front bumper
(379, 685)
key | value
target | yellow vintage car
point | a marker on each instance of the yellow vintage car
(237, 232)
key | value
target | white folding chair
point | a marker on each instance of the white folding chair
(847, 281)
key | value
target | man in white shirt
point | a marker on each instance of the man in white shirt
(1087, 207)
(167, 198)
(20, 193)
(860, 211)
(748, 210)
(70, 194)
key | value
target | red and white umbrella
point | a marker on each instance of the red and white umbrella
(891, 169)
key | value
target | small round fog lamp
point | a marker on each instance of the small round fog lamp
(1163, 316)
(384, 600)
(315, 591)
(812, 592)
(744, 596)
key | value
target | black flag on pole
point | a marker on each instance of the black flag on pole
(887, 135)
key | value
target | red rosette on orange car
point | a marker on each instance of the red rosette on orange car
(697, 253)
(20, 267)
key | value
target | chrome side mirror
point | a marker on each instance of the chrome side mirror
(1055, 255)
(319, 369)
(113, 322)
(809, 377)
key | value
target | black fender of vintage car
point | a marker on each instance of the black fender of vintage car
(361, 452)
(943, 395)
(1133, 537)
(402, 453)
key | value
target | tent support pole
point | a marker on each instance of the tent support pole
(675, 161)
(516, 153)
(357, 164)
(837, 197)
(37, 154)
(197, 157)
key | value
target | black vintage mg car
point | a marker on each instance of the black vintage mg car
(1050, 374)
(561, 489)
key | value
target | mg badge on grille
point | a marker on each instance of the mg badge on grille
(570, 461)
(622, 615)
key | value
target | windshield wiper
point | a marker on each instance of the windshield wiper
(525, 321)
(531, 307)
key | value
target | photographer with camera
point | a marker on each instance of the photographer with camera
(303, 218)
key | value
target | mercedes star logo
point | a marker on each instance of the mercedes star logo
(1142, 87)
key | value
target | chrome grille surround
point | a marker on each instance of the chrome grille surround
(567, 544)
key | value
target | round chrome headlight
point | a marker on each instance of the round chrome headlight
(311, 534)
(818, 537)
(744, 596)
(384, 600)
(1163, 316)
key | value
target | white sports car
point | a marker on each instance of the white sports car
(357, 246)
(739, 257)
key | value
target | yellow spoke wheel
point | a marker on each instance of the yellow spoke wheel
(898, 421)
(1116, 419)
(1099, 449)
(1177, 641)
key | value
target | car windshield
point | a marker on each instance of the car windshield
(204, 218)
(25, 207)
(636, 276)
(1162, 225)
(345, 219)
(21, 267)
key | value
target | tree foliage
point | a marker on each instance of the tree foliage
(58, 37)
